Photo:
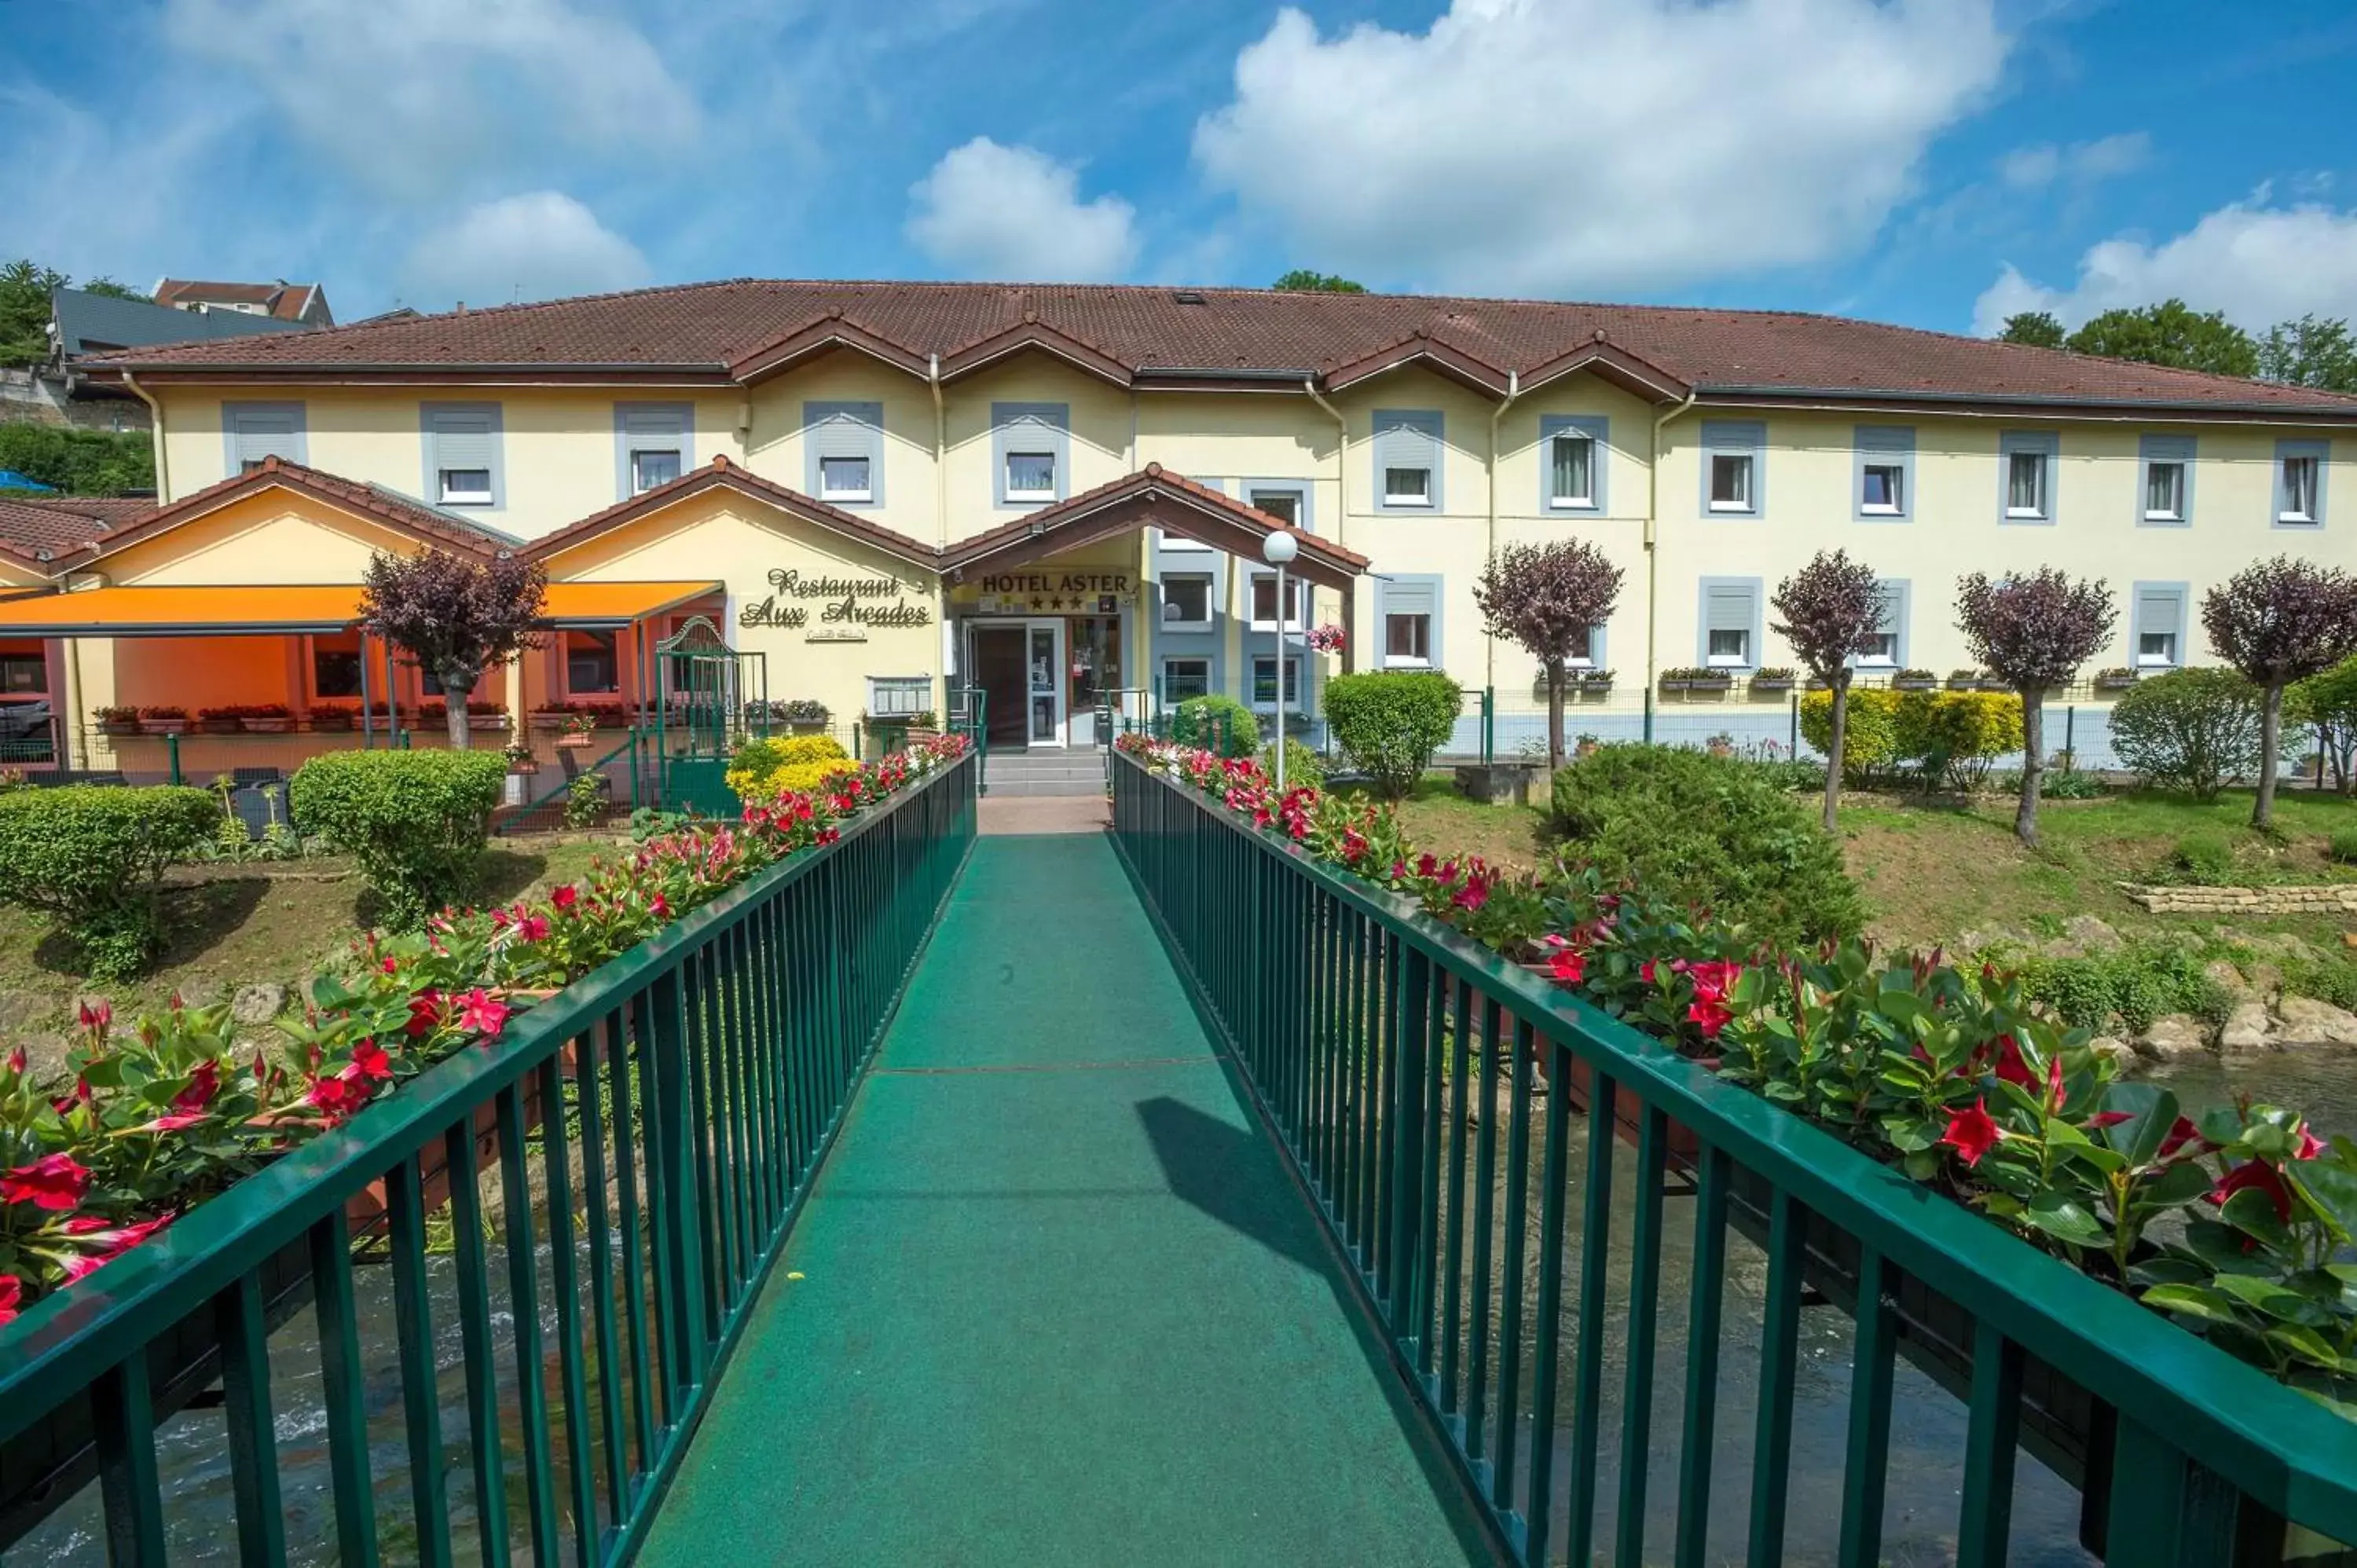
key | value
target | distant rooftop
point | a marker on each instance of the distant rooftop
(101, 324)
(282, 301)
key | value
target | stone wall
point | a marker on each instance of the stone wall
(2339, 898)
(31, 399)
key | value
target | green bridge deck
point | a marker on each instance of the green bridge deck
(1055, 1299)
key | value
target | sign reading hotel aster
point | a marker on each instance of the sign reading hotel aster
(853, 603)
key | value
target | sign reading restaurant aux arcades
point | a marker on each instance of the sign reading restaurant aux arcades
(852, 602)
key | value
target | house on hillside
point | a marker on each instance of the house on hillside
(83, 325)
(303, 304)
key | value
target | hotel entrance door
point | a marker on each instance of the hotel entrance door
(1021, 667)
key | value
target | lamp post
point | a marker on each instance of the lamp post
(1278, 548)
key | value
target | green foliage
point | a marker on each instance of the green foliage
(2038, 328)
(24, 290)
(2310, 353)
(2343, 845)
(1302, 765)
(79, 462)
(1304, 281)
(2203, 859)
(88, 858)
(2171, 333)
(1869, 731)
(1709, 833)
(761, 769)
(413, 820)
(2326, 979)
(1955, 736)
(1216, 722)
(2197, 730)
(585, 801)
(2129, 987)
(2328, 702)
(1389, 723)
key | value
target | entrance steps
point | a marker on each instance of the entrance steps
(1079, 771)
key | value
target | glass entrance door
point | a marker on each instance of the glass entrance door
(1044, 662)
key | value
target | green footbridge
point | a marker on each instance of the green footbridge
(1150, 1195)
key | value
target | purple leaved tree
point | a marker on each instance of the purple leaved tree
(1549, 599)
(2033, 630)
(1833, 609)
(2279, 621)
(455, 615)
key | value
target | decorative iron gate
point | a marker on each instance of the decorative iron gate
(710, 693)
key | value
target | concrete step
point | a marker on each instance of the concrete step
(1030, 787)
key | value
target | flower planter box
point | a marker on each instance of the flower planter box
(487, 723)
(574, 742)
(332, 724)
(366, 1209)
(163, 726)
(1965, 683)
(550, 720)
(1771, 686)
(2113, 683)
(120, 728)
(1719, 687)
(1915, 683)
(280, 724)
(231, 725)
(1670, 685)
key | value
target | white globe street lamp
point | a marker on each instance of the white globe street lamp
(1277, 549)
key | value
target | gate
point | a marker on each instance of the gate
(711, 694)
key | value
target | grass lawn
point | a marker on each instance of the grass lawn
(232, 926)
(1440, 819)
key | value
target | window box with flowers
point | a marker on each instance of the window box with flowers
(266, 718)
(579, 729)
(164, 720)
(1593, 683)
(220, 721)
(1963, 679)
(117, 721)
(333, 718)
(1914, 681)
(1772, 680)
(2115, 679)
(1698, 679)
(521, 759)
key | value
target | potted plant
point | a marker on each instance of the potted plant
(1914, 681)
(2119, 678)
(1676, 678)
(1721, 744)
(578, 729)
(215, 721)
(803, 715)
(267, 718)
(551, 716)
(1586, 745)
(333, 718)
(1700, 679)
(487, 720)
(117, 721)
(1773, 680)
(166, 719)
(521, 759)
(1596, 681)
(1963, 679)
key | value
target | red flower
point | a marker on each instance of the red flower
(532, 928)
(1711, 1014)
(1645, 971)
(661, 905)
(2102, 1119)
(203, 1084)
(1425, 866)
(1972, 1133)
(336, 1098)
(370, 1062)
(1473, 894)
(2310, 1145)
(2183, 1134)
(12, 1292)
(109, 1240)
(2012, 1067)
(1569, 967)
(54, 1182)
(425, 1012)
(17, 1060)
(2255, 1175)
(97, 1014)
(80, 1096)
(482, 1014)
(565, 897)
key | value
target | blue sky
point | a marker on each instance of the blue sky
(1930, 162)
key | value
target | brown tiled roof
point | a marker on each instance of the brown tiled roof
(405, 514)
(726, 330)
(29, 529)
(723, 474)
(284, 300)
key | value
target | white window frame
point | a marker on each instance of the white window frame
(1014, 492)
(1396, 431)
(1743, 441)
(2176, 630)
(449, 494)
(434, 422)
(2043, 446)
(1421, 500)
(2310, 457)
(1297, 588)
(2154, 454)
(1890, 448)
(2175, 471)
(829, 491)
(1749, 657)
(1895, 482)
(1739, 468)
(1210, 674)
(640, 483)
(642, 428)
(1407, 660)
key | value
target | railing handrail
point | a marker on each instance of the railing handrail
(2268, 1439)
(67, 1339)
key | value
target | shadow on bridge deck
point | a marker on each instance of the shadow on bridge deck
(1054, 1299)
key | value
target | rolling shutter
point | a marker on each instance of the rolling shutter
(1728, 609)
(464, 441)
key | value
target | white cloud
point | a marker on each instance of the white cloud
(1595, 144)
(404, 94)
(2027, 168)
(2258, 263)
(990, 211)
(538, 245)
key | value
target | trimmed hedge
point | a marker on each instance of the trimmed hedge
(1709, 833)
(415, 820)
(761, 769)
(1390, 722)
(88, 856)
(1951, 735)
(1216, 722)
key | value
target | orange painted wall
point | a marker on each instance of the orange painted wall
(195, 672)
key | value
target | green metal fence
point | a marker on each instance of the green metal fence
(1419, 1083)
(681, 1098)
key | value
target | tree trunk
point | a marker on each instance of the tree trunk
(2263, 810)
(456, 684)
(2033, 764)
(1840, 684)
(1555, 713)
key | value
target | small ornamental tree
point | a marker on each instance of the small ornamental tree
(1833, 608)
(2279, 621)
(2033, 630)
(455, 616)
(1549, 599)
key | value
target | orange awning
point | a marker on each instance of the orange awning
(282, 610)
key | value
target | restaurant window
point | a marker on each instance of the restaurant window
(23, 673)
(593, 666)
(335, 667)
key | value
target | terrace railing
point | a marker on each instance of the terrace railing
(1428, 1093)
(655, 1126)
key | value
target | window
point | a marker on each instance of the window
(1407, 460)
(1730, 622)
(1887, 648)
(335, 672)
(2159, 630)
(1185, 678)
(2166, 499)
(254, 431)
(2164, 492)
(24, 675)
(462, 452)
(2299, 482)
(591, 663)
(1882, 488)
(1735, 451)
(843, 452)
(1408, 612)
(1030, 452)
(2025, 465)
(1263, 602)
(1287, 500)
(1264, 681)
(1572, 458)
(1186, 599)
(898, 696)
(653, 442)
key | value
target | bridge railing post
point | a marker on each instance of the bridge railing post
(677, 1210)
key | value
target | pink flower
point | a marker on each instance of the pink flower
(98, 1014)
(425, 1012)
(1973, 1132)
(2310, 1145)
(532, 928)
(661, 905)
(203, 1084)
(17, 1060)
(54, 1182)
(2183, 1134)
(336, 1098)
(565, 897)
(370, 1062)
(12, 1292)
(482, 1014)
(1472, 895)
(107, 1240)
(1710, 1015)
(1569, 967)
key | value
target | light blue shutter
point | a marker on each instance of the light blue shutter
(845, 430)
(1407, 438)
(260, 430)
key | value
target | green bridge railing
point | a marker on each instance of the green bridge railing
(680, 1098)
(1377, 1044)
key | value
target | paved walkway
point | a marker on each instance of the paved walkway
(1054, 1300)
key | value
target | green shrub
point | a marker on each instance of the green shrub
(2333, 980)
(1955, 736)
(413, 820)
(1707, 832)
(88, 856)
(2196, 730)
(1302, 765)
(1869, 731)
(2203, 859)
(2343, 846)
(2135, 984)
(1217, 723)
(1390, 722)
